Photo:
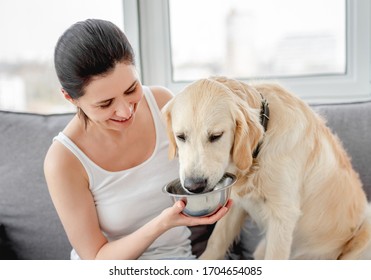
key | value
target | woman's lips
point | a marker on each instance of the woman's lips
(122, 120)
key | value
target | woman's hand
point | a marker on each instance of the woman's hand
(173, 216)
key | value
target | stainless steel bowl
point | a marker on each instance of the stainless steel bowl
(202, 204)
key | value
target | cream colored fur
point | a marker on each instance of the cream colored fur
(301, 189)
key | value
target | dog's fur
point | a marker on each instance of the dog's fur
(301, 189)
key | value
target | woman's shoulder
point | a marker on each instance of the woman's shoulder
(161, 94)
(61, 164)
(59, 159)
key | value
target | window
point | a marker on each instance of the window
(319, 49)
(29, 32)
(266, 38)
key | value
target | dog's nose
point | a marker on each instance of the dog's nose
(195, 185)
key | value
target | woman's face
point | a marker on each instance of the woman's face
(112, 100)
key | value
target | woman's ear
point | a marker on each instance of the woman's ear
(69, 98)
(166, 111)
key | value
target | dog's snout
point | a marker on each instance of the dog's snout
(195, 185)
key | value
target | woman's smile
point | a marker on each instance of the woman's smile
(122, 120)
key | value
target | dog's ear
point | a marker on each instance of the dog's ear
(248, 133)
(166, 111)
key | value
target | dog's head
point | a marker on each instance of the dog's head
(213, 130)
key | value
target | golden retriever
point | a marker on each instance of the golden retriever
(295, 180)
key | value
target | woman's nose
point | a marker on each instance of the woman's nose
(124, 109)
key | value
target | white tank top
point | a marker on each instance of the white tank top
(126, 200)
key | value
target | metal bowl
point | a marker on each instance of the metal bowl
(201, 204)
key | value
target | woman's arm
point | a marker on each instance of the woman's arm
(68, 186)
(137, 242)
(69, 189)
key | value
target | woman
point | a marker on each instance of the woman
(106, 169)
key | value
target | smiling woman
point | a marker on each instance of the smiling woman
(109, 98)
(29, 32)
(106, 168)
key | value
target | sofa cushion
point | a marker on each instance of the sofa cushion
(351, 122)
(26, 210)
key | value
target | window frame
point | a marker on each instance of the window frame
(148, 27)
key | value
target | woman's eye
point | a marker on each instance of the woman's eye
(181, 137)
(215, 137)
(105, 105)
(130, 91)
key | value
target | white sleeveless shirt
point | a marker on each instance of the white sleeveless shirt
(126, 200)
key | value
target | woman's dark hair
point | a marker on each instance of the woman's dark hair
(89, 48)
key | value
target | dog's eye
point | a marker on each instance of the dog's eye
(181, 137)
(215, 137)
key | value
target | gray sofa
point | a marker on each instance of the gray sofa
(29, 225)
